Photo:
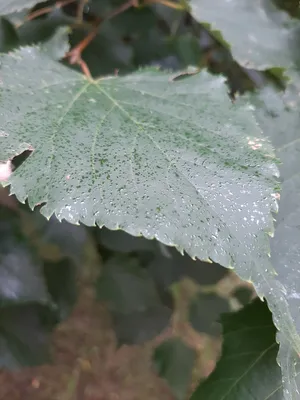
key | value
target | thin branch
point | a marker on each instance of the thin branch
(39, 12)
(74, 55)
(45, 10)
(166, 3)
(122, 8)
(80, 9)
(85, 69)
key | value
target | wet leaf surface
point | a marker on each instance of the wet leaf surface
(262, 19)
(176, 168)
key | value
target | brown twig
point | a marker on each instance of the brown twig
(39, 13)
(122, 8)
(74, 55)
(46, 10)
(80, 9)
(166, 3)
(85, 69)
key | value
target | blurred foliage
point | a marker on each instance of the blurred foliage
(37, 283)
(174, 362)
(125, 40)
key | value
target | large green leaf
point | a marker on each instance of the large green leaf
(173, 160)
(279, 117)
(10, 6)
(247, 369)
(259, 37)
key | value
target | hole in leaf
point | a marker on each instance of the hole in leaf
(20, 158)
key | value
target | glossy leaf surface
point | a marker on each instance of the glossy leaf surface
(173, 160)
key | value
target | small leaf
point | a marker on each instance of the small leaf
(174, 361)
(10, 6)
(8, 36)
(122, 242)
(58, 45)
(247, 369)
(61, 283)
(141, 326)
(172, 267)
(21, 271)
(24, 336)
(41, 29)
(258, 38)
(68, 238)
(188, 49)
(126, 286)
(205, 311)
(243, 295)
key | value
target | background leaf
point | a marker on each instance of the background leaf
(8, 36)
(126, 286)
(139, 327)
(38, 286)
(121, 242)
(61, 284)
(267, 43)
(42, 29)
(170, 266)
(290, 6)
(203, 321)
(278, 115)
(174, 362)
(21, 270)
(247, 368)
(68, 238)
(9, 6)
(24, 336)
(131, 295)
